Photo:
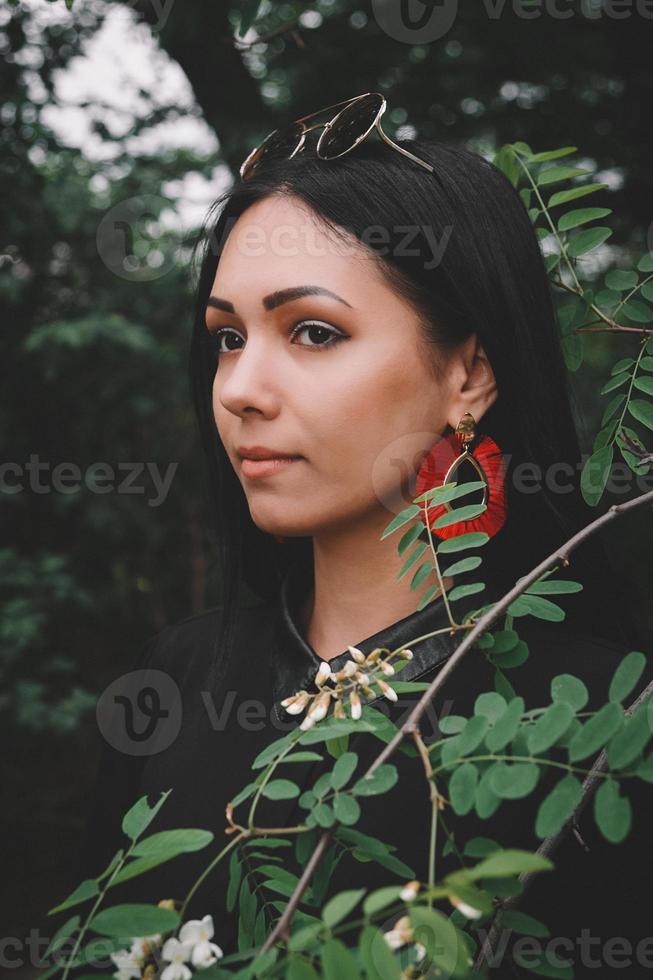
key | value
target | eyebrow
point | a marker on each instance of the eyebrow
(279, 297)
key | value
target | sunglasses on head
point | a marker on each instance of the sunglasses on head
(342, 133)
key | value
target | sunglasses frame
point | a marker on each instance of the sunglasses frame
(248, 166)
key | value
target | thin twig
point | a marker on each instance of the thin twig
(282, 928)
(412, 721)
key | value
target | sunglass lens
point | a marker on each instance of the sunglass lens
(349, 126)
(279, 145)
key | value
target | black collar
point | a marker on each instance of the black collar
(295, 662)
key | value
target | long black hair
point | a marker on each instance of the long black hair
(489, 279)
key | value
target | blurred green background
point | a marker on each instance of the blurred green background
(120, 123)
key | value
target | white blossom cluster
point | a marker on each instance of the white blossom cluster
(193, 946)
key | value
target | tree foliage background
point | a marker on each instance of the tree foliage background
(95, 357)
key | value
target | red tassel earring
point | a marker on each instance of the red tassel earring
(486, 458)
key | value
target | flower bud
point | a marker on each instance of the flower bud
(406, 654)
(409, 891)
(339, 710)
(360, 677)
(307, 723)
(320, 706)
(387, 691)
(357, 654)
(355, 703)
(387, 668)
(372, 657)
(467, 910)
(323, 674)
(296, 704)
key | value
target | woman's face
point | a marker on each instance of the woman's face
(339, 378)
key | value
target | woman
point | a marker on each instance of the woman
(350, 312)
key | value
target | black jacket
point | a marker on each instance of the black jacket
(205, 728)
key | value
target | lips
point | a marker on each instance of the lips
(261, 452)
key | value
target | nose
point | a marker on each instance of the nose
(249, 379)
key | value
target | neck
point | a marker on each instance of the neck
(356, 592)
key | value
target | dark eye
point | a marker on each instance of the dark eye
(320, 336)
(319, 330)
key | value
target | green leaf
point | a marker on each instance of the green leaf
(572, 348)
(134, 919)
(621, 280)
(343, 769)
(514, 781)
(612, 408)
(552, 154)
(585, 241)
(598, 730)
(409, 514)
(273, 751)
(506, 863)
(553, 174)
(595, 473)
(513, 658)
(637, 311)
(63, 933)
(409, 537)
(471, 539)
(381, 898)
(487, 800)
(466, 513)
(506, 726)
(235, 878)
(449, 491)
(550, 586)
(346, 809)
(472, 734)
(524, 924)
(462, 788)
(464, 565)
(85, 890)
(378, 959)
(280, 789)
(572, 219)
(631, 739)
(461, 591)
(549, 727)
(490, 704)
(536, 606)
(612, 812)
(169, 843)
(627, 675)
(339, 907)
(561, 197)
(332, 728)
(140, 816)
(567, 688)
(644, 384)
(412, 559)
(558, 806)
(381, 780)
(324, 815)
(642, 411)
(443, 942)
(615, 382)
(422, 572)
(480, 847)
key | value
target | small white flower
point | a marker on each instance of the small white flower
(406, 655)
(320, 706)
(127, 961)
(388, 691)
(355, 703)
(387, 668)
(177, 954)
(348, 670)
(307, 723)
(357, 654)
(296, 704)
(323, 674)
(401, 934)
(467, 910)
(198, 932)
(409, 891)
(361, 678)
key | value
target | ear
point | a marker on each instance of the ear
(475, 387)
